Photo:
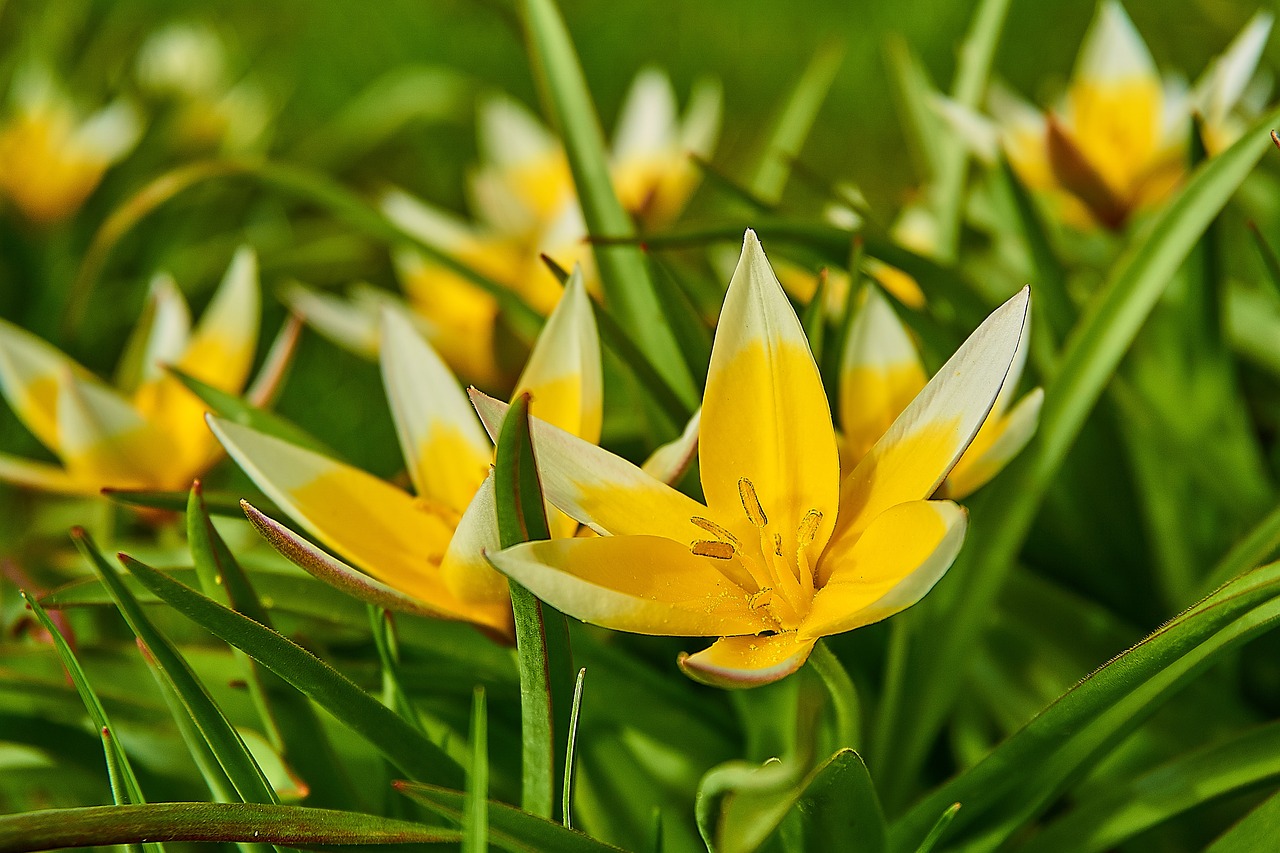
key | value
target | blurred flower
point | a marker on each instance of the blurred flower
(148, 433)
(524, 206)
(1116, 143)
(881, 373)
(51, 156)
(1228, 92)
(428, 545)
(784, 552)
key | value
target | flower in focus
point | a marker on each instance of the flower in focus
(524, 206)
(148, 433)
(881, 373)
(1116, 142)
(51, 156)
(785, 550)
(428, 545)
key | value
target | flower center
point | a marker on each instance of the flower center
(777, 563)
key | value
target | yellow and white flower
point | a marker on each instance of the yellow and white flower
(427, 546)
(524, 206)
(148, 433)
(785, 550)
(51, 155)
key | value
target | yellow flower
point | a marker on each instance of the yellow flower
(1116, 142)
(881, 373)
(149, 433)
(428, 545)
(784, 551)
(524, 205)
(51, 158)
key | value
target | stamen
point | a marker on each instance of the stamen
(751, 503)
(760, 598)
(808, 528)
(721, 533)
(715, 550)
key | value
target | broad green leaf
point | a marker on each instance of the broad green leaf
(1256, 831)
(401, 744)
(509, 828)
(1003, 516)
(542, 635)
(628, 288)
(1029, 770)
(223, 741)
(48, 829)
(1108, 819)
(285, 713)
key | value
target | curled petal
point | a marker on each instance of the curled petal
(748, 661)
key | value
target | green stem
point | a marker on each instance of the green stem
(844, 696)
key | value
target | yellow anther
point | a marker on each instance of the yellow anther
(808, 528)
(721, 533)
(751, 503)
(715, 550)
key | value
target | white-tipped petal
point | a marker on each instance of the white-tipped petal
(1113, 51)
(670, 461)
(29, 375)
(1227, 77)
(348, 323)
(647, 123)
(222, 346)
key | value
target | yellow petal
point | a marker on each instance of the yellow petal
(765, 419)
(919, 450)
(222, 346)
(444, 445)
(102, 438)
(641, 584)
(880, 374)
(160, 336)
(465, 569)
(563, 374)
(382, 530)
(896, 560)
(994, 447)
(735, 662)
(29, 371)
(670, 461)
(599, 489)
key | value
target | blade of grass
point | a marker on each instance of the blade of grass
(1091, 355)
(814, 318)
(49, 829)
(225, 504)
(402, 744)
(542, 635)
(1253, 549)
(628, 287)
(475, 809)
(566, 798)
(223, 740)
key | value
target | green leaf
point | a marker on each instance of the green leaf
(1003, 516)
(628, 287)
(1270, 260)
(400, 743)
(542, 635)
(239, 411)
(124, 784)
(814, 318)
(286, 715)
(223, 740)
(1252, 550)
(1111, 817)
(1256, 831)
(793, 123)
(1029, 770)
(228, 822)
(226, 504)
(566, 798)
(509, 828)
(844, 696)
(475, 818)
(939, 829)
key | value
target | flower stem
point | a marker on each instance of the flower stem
(844, 696)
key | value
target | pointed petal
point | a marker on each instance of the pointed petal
(266, 384)
(1112, 50)
(764, 415)
(735, 662)
(599, 489)
(103, 439)
(29, 373)
(348, 323)
(222, 346)
(994, 447)
(880, 374)
(670, 461)
(919, 450)
(563, 373)
(443, 443)
(466, 570)
(701, 125)
(896, 560)
(511, 135)
(640, 584)
(160, 336)
(42, 476)
(329, 569)
(430, 224)
(1227, 77)
(647, 121)
(379, 528)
